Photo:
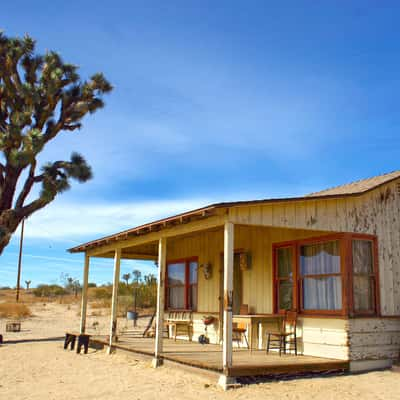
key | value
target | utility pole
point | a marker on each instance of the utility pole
(21, 242)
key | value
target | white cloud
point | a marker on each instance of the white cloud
(74, 222)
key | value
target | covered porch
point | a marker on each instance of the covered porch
(244, 363)
(214, 261)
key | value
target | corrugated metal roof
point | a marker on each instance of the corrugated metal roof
(351, 189)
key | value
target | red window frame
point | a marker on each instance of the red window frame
(346, 273)
(375, 276)
(278, 279)
(187, 285)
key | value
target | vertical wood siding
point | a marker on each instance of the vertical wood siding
(376, 212)
(257, 281)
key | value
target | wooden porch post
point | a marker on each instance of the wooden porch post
(84, 294)
(225, 380)
(162, 265)
(114, 301)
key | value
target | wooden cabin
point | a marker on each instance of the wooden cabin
(333, 256)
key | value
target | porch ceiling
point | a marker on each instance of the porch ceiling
(149, 250)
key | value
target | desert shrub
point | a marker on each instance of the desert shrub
(92, 285)
(49, 291)
(102, 293)
(14, 310)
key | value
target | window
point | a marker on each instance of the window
(333, 274)
(193, 285)
(321, 276)
(364, 280)
(176, 285)
(284, 281)
(182, 285)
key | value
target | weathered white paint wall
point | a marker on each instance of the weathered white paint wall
(374, 338)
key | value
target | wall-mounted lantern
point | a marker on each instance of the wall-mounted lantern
(245, 261)
(207, 270)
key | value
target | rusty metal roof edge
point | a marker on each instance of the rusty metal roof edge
(310, 197)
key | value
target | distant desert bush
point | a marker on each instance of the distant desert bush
(49, 291)
(14, 310)
(102, 293)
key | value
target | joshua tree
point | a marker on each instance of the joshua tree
(126, 278)
(136, 275)
(73, 285)
(27, 283)
(40, 96)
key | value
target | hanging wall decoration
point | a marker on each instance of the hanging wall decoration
(245, 261)
(207, 270)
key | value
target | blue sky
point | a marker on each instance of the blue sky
(213, 101)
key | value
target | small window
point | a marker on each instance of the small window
(321, 276)
(284, 257)
(363, 276)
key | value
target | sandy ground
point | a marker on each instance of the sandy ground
(34, 367)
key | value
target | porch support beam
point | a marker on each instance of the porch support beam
(84, 294)
(162, 266)
(114, 300)
(191, 227)
(228, 296)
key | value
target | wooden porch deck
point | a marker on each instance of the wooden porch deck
(245, 363)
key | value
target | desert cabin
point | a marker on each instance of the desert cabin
(231, 272)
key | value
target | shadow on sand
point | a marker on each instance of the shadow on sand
(50, 339)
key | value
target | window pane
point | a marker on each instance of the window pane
(322, 293)
(285, 295)
(285, 259)
(176, 297)
(193, 297)
(364, 293)
(320, 258)
(176, 274)
(362, 257)
(193, 272)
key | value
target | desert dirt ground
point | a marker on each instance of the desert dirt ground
(33, 365)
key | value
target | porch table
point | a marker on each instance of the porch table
(253, 321)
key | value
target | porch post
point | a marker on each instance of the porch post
(162, 265)
(225, 380)
(114, 300)
(84, 294)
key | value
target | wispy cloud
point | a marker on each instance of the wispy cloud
(73, 221)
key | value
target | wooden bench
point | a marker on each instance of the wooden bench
(83, 340)
(13, 326)
(181, 320)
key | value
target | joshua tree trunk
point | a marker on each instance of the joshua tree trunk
(9, 222)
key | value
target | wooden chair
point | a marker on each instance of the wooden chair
(239, 329)
(285, 336)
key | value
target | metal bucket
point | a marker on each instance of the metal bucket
(131, 315)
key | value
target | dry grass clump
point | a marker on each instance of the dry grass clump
(14, 310)
(96, 314)
(100, 304)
